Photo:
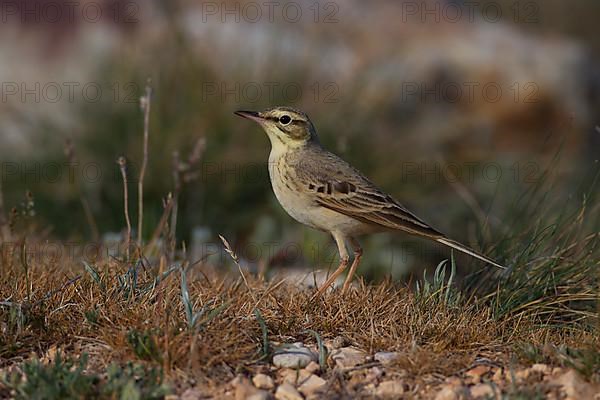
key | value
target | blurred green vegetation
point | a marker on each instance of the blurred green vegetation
(379, 135)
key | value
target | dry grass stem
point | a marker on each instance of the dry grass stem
(122, 162)
(145, 103)
(236, 260)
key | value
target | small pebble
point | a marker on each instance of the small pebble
(263, 381)
(286, 391)
(294, 356)
(386, 357)
(348, 357)
(312, 385)
(313, 367)
(390, 389)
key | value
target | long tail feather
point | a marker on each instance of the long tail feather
(460, 247)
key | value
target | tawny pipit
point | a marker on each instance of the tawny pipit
(323, 191)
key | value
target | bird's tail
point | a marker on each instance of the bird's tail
(462, 248)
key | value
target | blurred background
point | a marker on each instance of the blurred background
(455, 108)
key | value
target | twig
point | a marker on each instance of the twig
(362, 366)
(25, 265)
(122, 164)
(145, 104)
(236, 260)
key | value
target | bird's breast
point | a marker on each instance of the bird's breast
(300, 203)
(287, 189)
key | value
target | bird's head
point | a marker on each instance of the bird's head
(284, 125)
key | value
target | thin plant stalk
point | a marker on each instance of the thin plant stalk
(236, 260)
(175, 209)
(145, 103)
(122, 166)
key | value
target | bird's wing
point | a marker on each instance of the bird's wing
(338, 186)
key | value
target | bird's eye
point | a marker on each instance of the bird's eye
(285, 119)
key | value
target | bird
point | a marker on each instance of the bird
(319, 189)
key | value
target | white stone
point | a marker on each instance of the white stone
(312, 385)
(451, 392)
(294, 356)
(313, 367)
(386, 357)
(259, 395)
(286, 391)
(244, 390)
(573, 385)
(294, 376)
(263, 381)
(543, 368)
(390, 389)
(485, 390)
(348, 357)
(192, 394)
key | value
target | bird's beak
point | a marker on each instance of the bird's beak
(253, 115)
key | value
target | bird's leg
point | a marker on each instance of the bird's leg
(344, 260)
(357, 255)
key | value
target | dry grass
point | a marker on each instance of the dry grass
(114, 316)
